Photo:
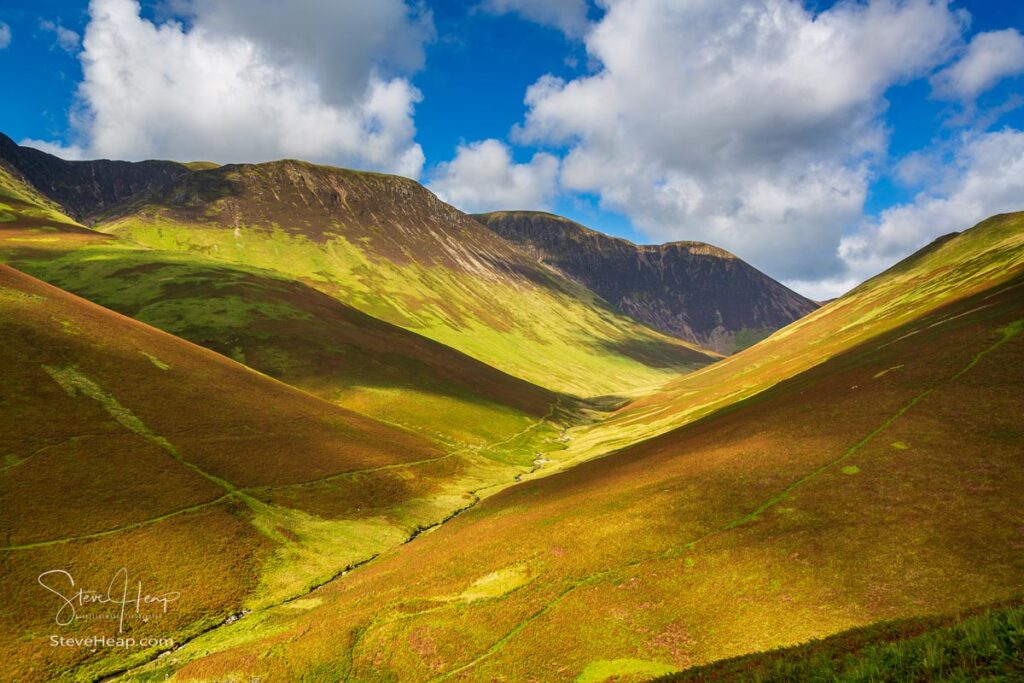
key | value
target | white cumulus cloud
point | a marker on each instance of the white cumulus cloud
(751, 125)
(569, 16)
(5, 35)
(69, 152)
(341, 41)
(983, 176)
(253, 81)
(989, 58)
(64, 38)
(484, 177)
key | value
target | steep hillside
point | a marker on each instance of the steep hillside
(691, 290)
(953, 267)
(383, 245)
(124, 446)
(883, 482)
(278, 326)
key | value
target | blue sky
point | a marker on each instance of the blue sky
(824, 145)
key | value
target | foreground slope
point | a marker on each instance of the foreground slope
(124, 447)
(883, 482)
(382, 244)
(278, 326)
(690, 290)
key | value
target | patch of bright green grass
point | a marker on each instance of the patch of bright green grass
(549, 337)
(498, 583)
(73, 382)
(622, 670)
(156, 361)
(219, 314)
(311, 550)
(746, 338)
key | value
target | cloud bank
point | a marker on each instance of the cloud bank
(749, 125)
(252, 81)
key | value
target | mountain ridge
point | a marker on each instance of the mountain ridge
(382, 244)
(692, 290)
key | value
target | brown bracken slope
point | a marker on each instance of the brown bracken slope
(121, 445)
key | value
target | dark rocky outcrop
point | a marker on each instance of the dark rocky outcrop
(691, 290)
(87, 188)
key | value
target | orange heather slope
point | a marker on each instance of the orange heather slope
(123, 446)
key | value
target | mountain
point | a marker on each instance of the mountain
(383, 245)
(374, 440)
(84, 188)
(281, 327)
(124, 446)
(690, 290)
(881, 481)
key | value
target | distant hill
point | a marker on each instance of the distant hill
(413, 450)
(691, 290)
(122, 445)
(381, 244)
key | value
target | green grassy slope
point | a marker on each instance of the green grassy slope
(389, 248)
(281, 327)
(123, 446)
(985, 645)
(951, 269)
(881, 483)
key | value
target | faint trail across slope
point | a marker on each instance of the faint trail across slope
(74, 382)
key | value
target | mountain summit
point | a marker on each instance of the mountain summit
(690, 290)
